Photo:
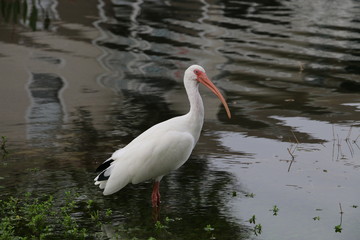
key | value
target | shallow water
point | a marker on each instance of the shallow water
(102, 72)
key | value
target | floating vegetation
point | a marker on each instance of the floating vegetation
(250, 195)
(46, 217)
(275, 210)
(338, 228)
(252, 219)
(257, 229)
(160, 226)
(209, 229)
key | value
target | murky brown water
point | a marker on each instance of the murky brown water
(104, 71)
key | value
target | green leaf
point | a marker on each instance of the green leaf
(338, 228)
(252, 219)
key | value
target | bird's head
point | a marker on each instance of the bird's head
(196, 73)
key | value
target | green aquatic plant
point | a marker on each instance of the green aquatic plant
(108, 212)
(165, 224)
(95, 215)
(209, 229)
(250, 195)
(252, 219)
(275, 210)
(90, 203)
(338, 228)
(160, 226)
(47, 217)
(26, 217)
(257, 229)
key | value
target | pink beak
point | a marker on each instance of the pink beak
(202, 78)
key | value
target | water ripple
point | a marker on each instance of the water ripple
(264, 53)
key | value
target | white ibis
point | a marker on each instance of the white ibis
(162, 148)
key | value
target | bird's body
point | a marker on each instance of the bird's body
(162, 148)
(144, 158)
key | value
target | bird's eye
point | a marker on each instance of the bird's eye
(196, 72)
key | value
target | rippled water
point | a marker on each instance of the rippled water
(105, 71)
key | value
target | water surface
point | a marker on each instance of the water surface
(102, 72)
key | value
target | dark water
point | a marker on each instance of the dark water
(102, 72)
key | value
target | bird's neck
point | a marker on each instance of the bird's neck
(196, 113)
(196, 105)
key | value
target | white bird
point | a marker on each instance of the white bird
(162, 148)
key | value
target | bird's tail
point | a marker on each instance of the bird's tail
(105, 169)
(120, 176)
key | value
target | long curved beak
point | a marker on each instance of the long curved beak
(202, 78)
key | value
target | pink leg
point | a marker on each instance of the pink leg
(155, 196)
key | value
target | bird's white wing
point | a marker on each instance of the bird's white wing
(168, 153)
(153, 154)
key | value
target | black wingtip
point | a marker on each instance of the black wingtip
(102, 176)
(104, 165)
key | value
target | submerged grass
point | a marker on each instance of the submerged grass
(47, 217)
(71, 216)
